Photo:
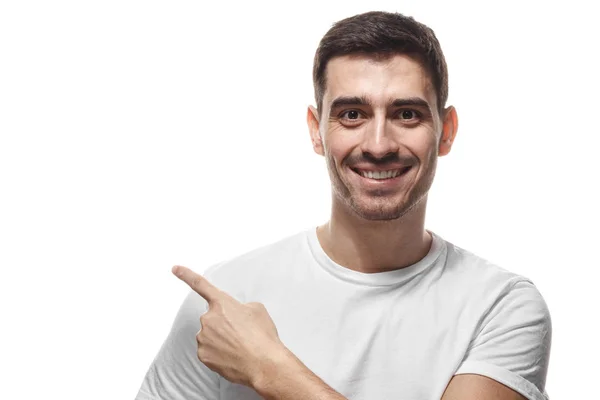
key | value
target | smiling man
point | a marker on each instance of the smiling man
(369, 305)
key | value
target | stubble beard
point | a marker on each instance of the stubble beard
(379, 206)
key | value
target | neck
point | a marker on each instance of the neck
(375, 246)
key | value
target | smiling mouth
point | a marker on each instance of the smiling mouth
(381, 175)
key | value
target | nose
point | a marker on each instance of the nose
(378, 141)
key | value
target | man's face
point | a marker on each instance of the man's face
(380, 132)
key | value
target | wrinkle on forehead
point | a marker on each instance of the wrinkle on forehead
(379, 77)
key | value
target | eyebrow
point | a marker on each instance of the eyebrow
(364, 101)
(349, 101)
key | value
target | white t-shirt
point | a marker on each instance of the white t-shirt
(389, 335)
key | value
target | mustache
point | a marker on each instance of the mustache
(392, 159)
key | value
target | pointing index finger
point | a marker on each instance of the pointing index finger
(197, 282)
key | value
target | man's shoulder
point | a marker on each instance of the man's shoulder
(468, 265)
(479, 281)
(258, 265)
(505, 319)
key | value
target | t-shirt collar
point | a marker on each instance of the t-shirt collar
(388, 278)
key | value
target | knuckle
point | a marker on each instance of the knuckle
(202, 354)
(203, 319)
(256, 306)
(217, 305)
(196, 282)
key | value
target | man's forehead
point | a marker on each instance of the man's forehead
(382, 79)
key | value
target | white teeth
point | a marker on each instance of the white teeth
(380, 174)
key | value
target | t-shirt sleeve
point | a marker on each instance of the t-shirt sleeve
(513, 343)
(176, 372)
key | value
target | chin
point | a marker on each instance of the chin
(371, 215)
(379, 212)
(383, 210)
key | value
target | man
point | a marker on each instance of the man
(369, 305)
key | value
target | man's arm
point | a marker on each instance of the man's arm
(478, 387)
(511, 346)
(289, 378)
(286, 377)
(240, 342)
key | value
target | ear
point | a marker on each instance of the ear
(312, 119)
(449, 129)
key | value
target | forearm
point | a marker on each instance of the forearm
(288, 378)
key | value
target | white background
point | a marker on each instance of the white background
(140, 134)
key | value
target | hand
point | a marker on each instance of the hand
(238, 341)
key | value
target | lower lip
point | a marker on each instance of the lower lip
(382, 183)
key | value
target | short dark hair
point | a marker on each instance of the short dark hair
(381, 34)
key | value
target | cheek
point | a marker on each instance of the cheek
(423, 146)
(338, 148)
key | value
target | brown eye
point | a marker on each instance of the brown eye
(408, 114)
(352, 114)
